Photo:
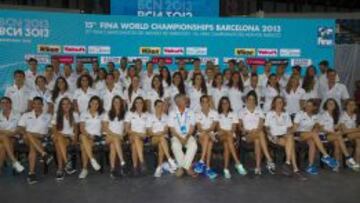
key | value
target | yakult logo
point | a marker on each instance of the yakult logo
(173, 50)
(267, 52)
(74, 49)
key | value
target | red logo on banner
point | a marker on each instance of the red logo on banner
(167, 60)
(255, 61)
(64, 59)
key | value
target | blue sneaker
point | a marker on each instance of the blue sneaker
(200, 167)
(312, 170)
(332, 163)
(210, 173)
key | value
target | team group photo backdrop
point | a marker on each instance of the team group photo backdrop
(107, 38)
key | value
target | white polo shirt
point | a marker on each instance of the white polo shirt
(68, 129)
(284, 80)
(236, 99)
(217, 93)
(251, 120)
(177, 120)
(82, 98)
(152, 96)
(327, 121)
(173, 91)
(19, 97)
(107, 96)
(138, 93)
(195, 96)
(206, 121)
(67, 94)
(278, 125)
(71, 81)
(258, 90)
(338, 92)
(137, 121)
(92, 123)
(146, 79)
(34, 124)
(116, 126)
(263, 79)
(349, 122)
(100, 85)
(269, 94)
(226, 121)
(306, 123)
(46, 97)
(293, 99)
(30, 79)
(10, 123)
(157, 124)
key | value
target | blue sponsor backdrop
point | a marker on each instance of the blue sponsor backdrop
(42, 34)
(165, 8)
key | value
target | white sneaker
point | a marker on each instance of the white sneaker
(83, 174)
(240, 169)
(158, 172)
(257, 171)
(351, 163)
(173, 165)
(95, 164)
(227, 174)
(166, 167)
(18, 167)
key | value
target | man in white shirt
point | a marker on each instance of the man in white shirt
(323, 79)
(182, 126)
(111, 90)
(333, 89)
(35, 126)
(31, 73)
(56, 66)
(19, 93)
(147, 76)
(263, 78)
(8, 130)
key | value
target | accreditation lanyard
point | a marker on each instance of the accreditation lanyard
(182, 123)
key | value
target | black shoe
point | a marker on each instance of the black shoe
(47, 159)
(143, 168)
(286, 169)
(135, 172)
(31, 179)
(69, 168)
(299, 176)
(60, 175)
(114, 174)
(122, 170)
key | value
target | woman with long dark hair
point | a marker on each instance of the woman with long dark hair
(113, 125)
(135, 125)
(157, 92)
(271, 90)
(61, 90)
(197, 90)
(65, 132)
(331, 127)
(236, 92)
(90, 129)
(228, 121)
